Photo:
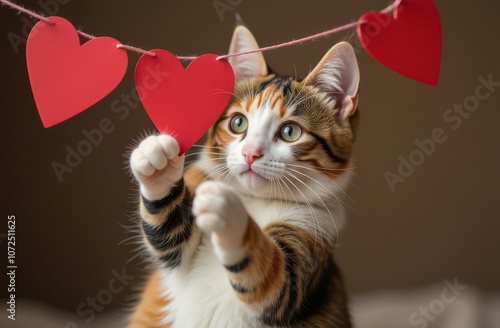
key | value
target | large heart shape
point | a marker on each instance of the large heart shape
(408, 42)
(183, 102)
(66, 77)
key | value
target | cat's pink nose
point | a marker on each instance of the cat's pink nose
(251, 155)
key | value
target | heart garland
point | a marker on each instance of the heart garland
(408, 42)
(67, 78)
(183, 102)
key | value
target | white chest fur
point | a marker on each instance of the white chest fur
(200, 293)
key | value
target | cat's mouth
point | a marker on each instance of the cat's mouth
(251, 172)
(253, 179)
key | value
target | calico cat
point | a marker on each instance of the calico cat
(245, 236)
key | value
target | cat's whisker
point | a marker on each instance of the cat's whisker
(298, 93)
(227, 176)
(252, 93)
(215, 168)
(277, 194)
(325, 188)
(282, 191)
(226, 92)
(208, 177)
(256, 91)
(341, 201)
(221, 91)
(315, 169)
(203, 152)
(193, 162)
(313, 213)
(303, 195)
(324, 168)
(207, 159)
(222, 173)
(281, 183)
(337, 232)
(290, 190)
(241, 90)
(270, 193)
(207, 146)
(302, 100)
(247, 93)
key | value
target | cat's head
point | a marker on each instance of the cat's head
(286, 136)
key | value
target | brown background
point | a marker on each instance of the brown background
(441, 223)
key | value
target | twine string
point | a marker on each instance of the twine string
(386, 10)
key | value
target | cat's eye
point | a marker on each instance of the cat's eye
(290, 132)
(238, 124)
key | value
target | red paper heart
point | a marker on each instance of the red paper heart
(408, 43)
(183, 102)
(66, 77)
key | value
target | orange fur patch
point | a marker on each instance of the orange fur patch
(265, 273)
(147, 314)
(223, 137)
(248, 104)
(193, 177)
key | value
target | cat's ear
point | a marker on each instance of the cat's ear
(337, 74)
(250, 65)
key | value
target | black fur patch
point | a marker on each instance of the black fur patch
(270, 316)
(172, 259)
(160, 238)
(239, 288)
(155, 206)
(238, 267)
(280, 81)
(327, 149)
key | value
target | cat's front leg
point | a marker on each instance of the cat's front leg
(166, 220)
(281, 270)
(220, 213)
(254, 263)
(156, 165)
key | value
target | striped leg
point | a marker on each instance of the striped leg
(165, 204)
(282, 270)
(167, 225)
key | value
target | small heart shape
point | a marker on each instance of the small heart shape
(183, 102)
(409, 43)
(66, 77)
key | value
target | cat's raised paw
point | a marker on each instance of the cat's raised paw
(220, 213)
(156, 165)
